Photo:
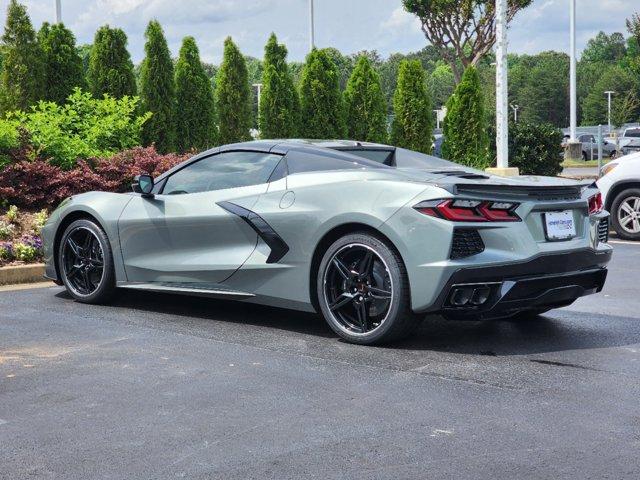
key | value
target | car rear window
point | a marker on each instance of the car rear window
(376, 155)
(635, 133)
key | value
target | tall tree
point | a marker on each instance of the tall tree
(233, 96)
(624, 107)
(633, 26)
(465, 130)
(157, 90)
(195, 115)
(110, 67)
(412, 125)
(279, 115)
(63, 65)
(365, 106)
(605, 48)
(441, 83)
(22, 79)
(320, 98)
(464, 31)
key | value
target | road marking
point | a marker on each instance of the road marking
(624, 242)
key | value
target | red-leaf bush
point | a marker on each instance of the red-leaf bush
(36, 184)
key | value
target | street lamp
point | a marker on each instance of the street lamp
(572, 73)
(311, 32)
(608, 93)
(515, 112)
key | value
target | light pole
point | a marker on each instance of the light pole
(58, 12)
(311, 32)
(515, 113)
(572, 72)
(608, 93)
(502, 94)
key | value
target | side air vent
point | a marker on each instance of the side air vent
(603, 230)
(466, 242)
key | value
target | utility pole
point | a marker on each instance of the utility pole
(312, 42)
(608, 93)
(58, 12)
(574, 148)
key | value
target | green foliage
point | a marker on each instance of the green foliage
(320, 98)
(412, 125)
(633, 26)
(365, 107)
(233, 96)
(195, 112)
(535, 149)
(84, 127)
(621, 81)
(12, 214)
(279, 106)
(22, 78)
(62, 63)
(110, 67)
(39, 220)
(441, 84)
(7, 230)
(9, 139)
(157, 90)
(605, 48)
(465, 130)
(24, 252)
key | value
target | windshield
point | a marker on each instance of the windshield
(635, 133)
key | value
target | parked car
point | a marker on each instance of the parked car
(629, 141)
(620, 186)
(371, 236)
(590, 146)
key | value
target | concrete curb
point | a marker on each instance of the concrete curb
(22, 274)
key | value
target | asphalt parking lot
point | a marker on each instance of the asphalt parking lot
(160, 386)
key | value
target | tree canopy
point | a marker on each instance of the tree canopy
(110, 67)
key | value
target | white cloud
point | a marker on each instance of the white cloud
(399, 20)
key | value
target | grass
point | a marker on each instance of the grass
(583, 164)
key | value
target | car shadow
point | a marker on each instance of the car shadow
(558, 330)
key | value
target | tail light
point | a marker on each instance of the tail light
(595, 204)
(470, 210)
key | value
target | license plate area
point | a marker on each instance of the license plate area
(559, 226)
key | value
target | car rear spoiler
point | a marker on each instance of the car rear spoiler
(524, 192)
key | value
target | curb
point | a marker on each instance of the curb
(22, 274)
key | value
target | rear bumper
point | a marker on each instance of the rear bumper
(546, 281)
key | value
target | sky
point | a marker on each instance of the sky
(349, 25)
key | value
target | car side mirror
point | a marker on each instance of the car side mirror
(143, 184)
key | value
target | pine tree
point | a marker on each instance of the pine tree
(365, 106)
(62, 64)
(321, 104)
(465, 130)
(279, 115)
(412, 125)
(22, 79)
(233, 96)
(110, 67)
(157, 90)
(195, 110)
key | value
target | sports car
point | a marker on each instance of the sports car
(373, 237)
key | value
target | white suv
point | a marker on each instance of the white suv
(620, 187)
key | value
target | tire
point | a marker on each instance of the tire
(621, 207)
(372, 293)
(89, 278)
(584, 156)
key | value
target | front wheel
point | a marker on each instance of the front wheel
(363, 290)
(86, 262)
(625, 214)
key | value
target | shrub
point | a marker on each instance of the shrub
(465, 130)
(37, 184)
(233, 96)
(110, 67)
(84, 127)
(39, 219)
(28, 249)
(534, 148)
(9, 140)
(412, 125)
(320, 98)
(365, 106)
(6, 252)
(12, 214)
(6, 230)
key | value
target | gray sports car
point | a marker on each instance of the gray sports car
(372, 236)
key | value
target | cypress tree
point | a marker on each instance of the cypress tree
(195, 111)
(365, 106)
(279, 115)
(110, 67)
(22, 80)
(465, 131)
(157, 90)
(412, 125)
(233, 96)
(62, 64)
(320, 99)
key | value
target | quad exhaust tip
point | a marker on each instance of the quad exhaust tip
(469, 295)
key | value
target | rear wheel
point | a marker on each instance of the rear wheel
(625, 214)
(86, 262)
(363, 290)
